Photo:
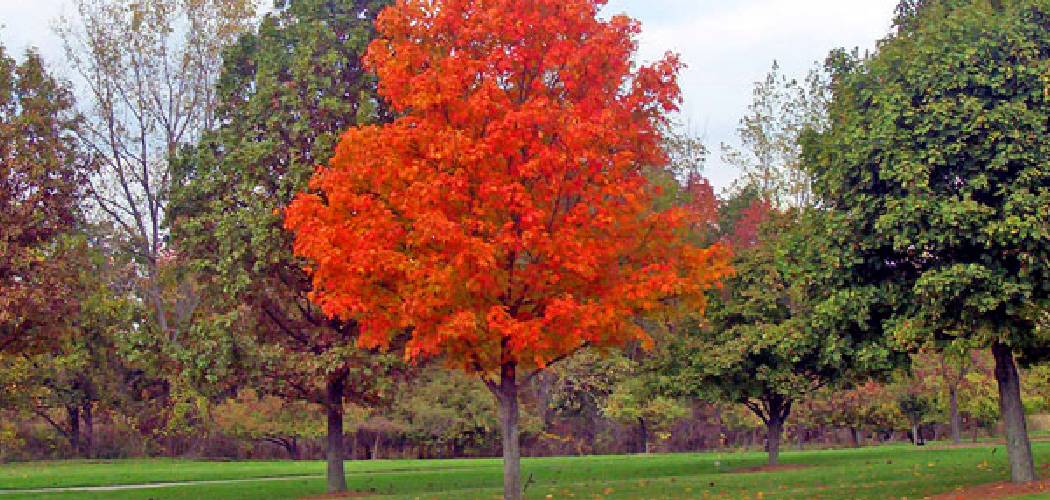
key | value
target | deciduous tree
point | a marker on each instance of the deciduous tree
(285, 94)
(149, 68)
(766, 345)
(934, 173)
(42, 177)
(769, 159)
(505, 217)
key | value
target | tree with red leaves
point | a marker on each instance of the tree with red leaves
(505, 218)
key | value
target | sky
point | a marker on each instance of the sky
(727, 45)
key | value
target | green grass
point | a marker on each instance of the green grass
(896, 471)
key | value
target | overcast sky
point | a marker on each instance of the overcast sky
(727, 45)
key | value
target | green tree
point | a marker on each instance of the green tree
(448, 410)
(271, 419)
(83, 371)
(934, 177)
(767, 344)
(285, 94)
(634, 402)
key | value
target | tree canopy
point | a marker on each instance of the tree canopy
(934, 177)
(42, 175)
(504, 216)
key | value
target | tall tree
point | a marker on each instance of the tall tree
(149, 68)
(934, 173)
(769, 159)
(285, 94)
(42, 176)
(505, 217)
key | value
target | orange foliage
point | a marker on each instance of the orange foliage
(504, 217)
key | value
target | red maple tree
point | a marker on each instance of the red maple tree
(505, 218)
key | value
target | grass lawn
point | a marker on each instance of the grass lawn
(898, 471)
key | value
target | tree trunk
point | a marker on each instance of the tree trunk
(774, 429)
(643, 436)
(88, 442)
(73, 421)
(1018, 448)
(956, 419)
(916, 434)
(375, 446)
(334, 453)
(507, 394)
(854, 437)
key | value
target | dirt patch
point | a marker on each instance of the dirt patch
(1004, 489)
(771, 468)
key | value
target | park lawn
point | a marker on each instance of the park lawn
(896, 471)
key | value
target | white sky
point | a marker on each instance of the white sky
(727, 45)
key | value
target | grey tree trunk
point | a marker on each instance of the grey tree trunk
(854, 437)
(773, 431)
(1018, 448)
(956, 419)
(507, 394)
(334, 453)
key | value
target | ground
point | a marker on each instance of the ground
(896, 471)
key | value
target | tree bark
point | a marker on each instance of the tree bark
(956, 419)
(916, 436)
(88, 441)
(854, 437)
(774, 429)
(334, 453)
(507, 394)
(643, 436)
(73, 421)
(1018, 448)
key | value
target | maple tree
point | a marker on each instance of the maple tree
(504, 217)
